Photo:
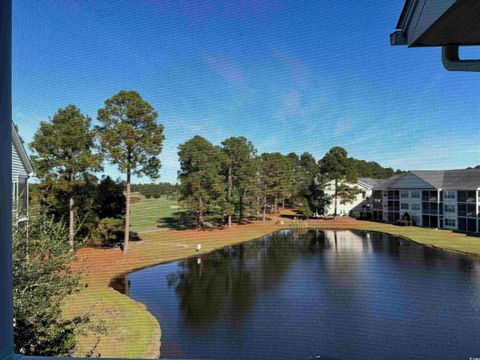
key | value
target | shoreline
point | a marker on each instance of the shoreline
(133, 332)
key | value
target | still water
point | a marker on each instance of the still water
(315, 294)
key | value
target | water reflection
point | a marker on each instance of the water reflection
(319, 291)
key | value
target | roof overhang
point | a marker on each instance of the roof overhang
(18, 143)
(443, 23)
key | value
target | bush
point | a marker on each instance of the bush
(106, 231)
(41, 282)
(306, 211)
(404, 223)
(355, 215)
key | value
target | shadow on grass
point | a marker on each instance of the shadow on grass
(180, 220)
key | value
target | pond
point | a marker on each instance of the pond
(315, 295)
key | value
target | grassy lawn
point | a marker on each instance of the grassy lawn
(132, 331)
(150, 214)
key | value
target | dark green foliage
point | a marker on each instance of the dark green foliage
(406, 220)
(336, 166)
(129, 135)
(106, 231)
(110, 199)
(64, 159)
(41, 282)
(157, 190)
(239, 170)
(272, 168)
(372, 169)
(306, 210)
(130, 138)
(202, 187)
(95, 201)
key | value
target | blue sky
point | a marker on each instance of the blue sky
(289, 75)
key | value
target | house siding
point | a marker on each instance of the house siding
(17, 166)
(448, 199)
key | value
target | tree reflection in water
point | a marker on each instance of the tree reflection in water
(330, 287)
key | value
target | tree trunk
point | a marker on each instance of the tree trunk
(275, 205)
(264, 208)
(240, 208)
(229, 194)
(127, 215)
(200, 214)
(71, 230)
(335, 201)
(283, 203)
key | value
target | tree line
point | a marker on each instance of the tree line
(219, 183)
(157, 190)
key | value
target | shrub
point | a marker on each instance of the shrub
(306, 211)
(404, 222)
(41, 282)
(106, 231)
(355, 215)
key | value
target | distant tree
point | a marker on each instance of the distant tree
(317, 198)
(239, 170)
(372, 169)
(156, 190)
(271, 169)
(202, 187)
(64, 156)
(131, 138)
(338, 167)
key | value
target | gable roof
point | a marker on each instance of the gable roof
(18, 144)
(434, 177)
(462, 179)
(368, 182)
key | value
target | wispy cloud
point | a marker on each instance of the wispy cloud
(228, 69)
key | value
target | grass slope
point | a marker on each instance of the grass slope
(151, 214)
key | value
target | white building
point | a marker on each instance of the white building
(361, 203)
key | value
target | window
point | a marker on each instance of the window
(404, 194)
(404, 206)
(450, 222)
(415, 206)
(416, 194)
(450, 208)
(449, 194)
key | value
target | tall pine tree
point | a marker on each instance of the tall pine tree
(131, 138)
(64, 156)
(202, 186)
(336, 166)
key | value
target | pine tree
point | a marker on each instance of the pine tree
(338, 167)
(239, 170)
(202, 186)
(131, 138)
(64, 156)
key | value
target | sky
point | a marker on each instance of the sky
(291, 76)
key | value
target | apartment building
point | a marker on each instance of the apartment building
(360, 204)
(437, 199)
